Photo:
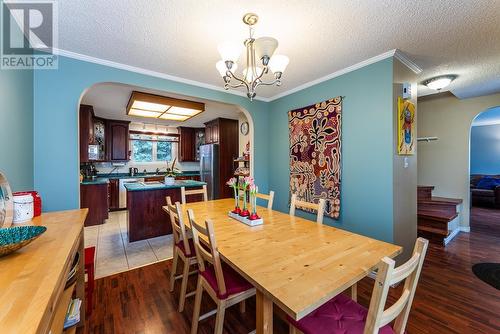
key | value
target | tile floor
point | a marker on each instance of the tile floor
(115, 254)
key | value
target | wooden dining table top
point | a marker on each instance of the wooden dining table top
(296, 263)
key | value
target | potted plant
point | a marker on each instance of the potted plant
(233, 183)
(171, 173)
(247, 181)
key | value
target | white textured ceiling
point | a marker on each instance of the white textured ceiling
(180, 37)
(110, 101)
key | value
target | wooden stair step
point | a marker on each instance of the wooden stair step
(433, 230)
(436, 215)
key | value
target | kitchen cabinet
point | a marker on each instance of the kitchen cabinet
(86, 131)
(190, 140)
(95, 198)
(212, 131)
(224, 132)
(113, 194)
(117, 140)
(186, 144)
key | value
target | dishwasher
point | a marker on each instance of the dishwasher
(122, 198)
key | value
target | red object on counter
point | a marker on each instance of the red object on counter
(37, 201)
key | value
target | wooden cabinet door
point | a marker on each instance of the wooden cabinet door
(186, 144)
(86, 131)
(113, 194)
(208, 133)
(215, 132)
(95, 198)
(118, 140)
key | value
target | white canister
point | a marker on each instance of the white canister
(23, 208)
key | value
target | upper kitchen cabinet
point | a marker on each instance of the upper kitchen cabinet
(86, 131)
(118, 140)
(190, 140)
(186, 144)
(212, 131)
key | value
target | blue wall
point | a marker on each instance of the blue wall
(56, 99)
(367, 147)
(485, 149)
(16, 127)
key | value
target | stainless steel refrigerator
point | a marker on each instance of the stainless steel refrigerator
(209, 169)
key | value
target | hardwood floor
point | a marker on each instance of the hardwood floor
(449, 298)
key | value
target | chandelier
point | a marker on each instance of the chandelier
(260, 59)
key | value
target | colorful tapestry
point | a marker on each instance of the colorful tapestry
(315, 153)
(406, 127)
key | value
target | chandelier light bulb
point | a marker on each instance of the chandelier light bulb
(230, 51)
(278, 63)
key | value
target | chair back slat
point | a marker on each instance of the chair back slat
(179, 229)
(269, 198)
(202, 191)
(387, 275)
(206, 249)
(319, 207)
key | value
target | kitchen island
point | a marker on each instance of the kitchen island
(146, 218)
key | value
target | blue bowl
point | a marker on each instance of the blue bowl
(14, 238)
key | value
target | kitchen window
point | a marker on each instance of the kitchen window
(152, 148)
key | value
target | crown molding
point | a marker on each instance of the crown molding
(140, 70)
(338, 73)
(392, 53)
(402, 57)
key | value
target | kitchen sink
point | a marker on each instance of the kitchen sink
(151, 183)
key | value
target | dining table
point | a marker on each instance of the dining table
(293, 262)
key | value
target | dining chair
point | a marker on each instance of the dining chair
(343, 315)
(224, 285)
(183, 249)
(202, 191)
(269, 198)
(320, 207)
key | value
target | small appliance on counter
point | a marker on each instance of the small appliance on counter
(133, 171)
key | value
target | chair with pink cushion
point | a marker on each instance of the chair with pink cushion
(219, 280)
(183, 249)
(342, 315)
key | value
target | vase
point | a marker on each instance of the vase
(169, 180)
(236, 202)
(244, 211)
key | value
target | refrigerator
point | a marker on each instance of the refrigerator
(209, 169)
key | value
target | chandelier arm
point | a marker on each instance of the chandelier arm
(270, 83)
(241, 81)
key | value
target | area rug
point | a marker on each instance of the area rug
(315, 153)
(489, 273)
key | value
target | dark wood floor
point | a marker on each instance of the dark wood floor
(449, 298)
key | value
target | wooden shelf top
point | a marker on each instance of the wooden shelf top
(31, 276)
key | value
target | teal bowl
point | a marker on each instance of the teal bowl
(14, 238)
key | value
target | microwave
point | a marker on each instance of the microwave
(93, 152)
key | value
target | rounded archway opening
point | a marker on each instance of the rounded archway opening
(109, 100)
(484, 166)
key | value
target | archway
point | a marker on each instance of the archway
(246, 114)
(484, 169)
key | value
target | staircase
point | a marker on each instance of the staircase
(438, 217)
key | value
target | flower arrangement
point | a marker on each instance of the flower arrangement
(233, 183)
(253, 189)
(247, 181)
(171, 171)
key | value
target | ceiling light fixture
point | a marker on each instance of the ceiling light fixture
(439, 82)
(261, 51)
(162, 107)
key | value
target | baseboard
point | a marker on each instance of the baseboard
(452, 235)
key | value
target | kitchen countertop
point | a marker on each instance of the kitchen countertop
(140, 186)
(104, 178)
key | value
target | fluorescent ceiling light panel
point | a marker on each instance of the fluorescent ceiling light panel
(173, 117)
(144, 113)
(183, 111)
(162, 107)
(149, 106)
